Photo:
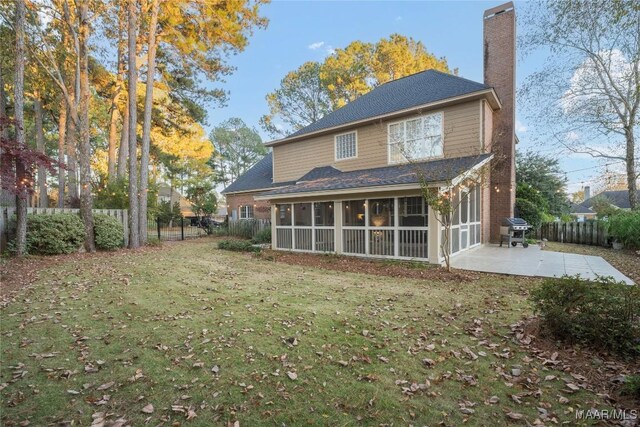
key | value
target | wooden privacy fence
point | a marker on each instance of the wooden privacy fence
(247, 227)
(6, 214)
(583, 233)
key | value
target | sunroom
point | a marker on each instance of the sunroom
(389, 220)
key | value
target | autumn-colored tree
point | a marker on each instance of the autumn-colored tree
(86, 199)
(146, 127)
(356, 69)
(313, 90)
(132, 78)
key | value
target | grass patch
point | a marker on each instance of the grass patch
(231, 337)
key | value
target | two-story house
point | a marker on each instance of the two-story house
(349, 183)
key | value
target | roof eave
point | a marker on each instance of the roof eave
(489, 94)
(344, 191)
(377, 188)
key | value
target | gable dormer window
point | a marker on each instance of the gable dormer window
(417, 138)
(346, 146)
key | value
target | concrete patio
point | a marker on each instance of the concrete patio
(533, 261)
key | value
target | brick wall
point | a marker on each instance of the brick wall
(261, 208)
(500, 73)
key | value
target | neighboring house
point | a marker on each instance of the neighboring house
(166, 193)
(617, 198)
(343, 185)
(220, 215)
(581, 212)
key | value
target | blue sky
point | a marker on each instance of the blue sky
(301, 31)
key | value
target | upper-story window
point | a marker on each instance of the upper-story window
(416, 139)
(346, 146)
(246, 211)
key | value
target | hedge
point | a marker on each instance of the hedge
(238, 245)
(109, 232)
(625, 227)
(54, 234)
(602, 313)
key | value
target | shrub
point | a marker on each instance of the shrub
(109, 232)
(602, 313)
(244, 228)
(530, 212)
(54, 234)
(223, 230)
(631, 386)
(262, 236)
(154, 241)
(625, 226)
(237, 245)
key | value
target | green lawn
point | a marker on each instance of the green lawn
(219, 337)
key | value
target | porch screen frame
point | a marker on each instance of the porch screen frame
(313, 228)
(395, 228)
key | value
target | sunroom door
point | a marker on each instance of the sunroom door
(464, 220)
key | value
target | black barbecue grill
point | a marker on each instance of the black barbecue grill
(513, 230)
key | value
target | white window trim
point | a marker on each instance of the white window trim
(335, 146)
(243, 211)
(390, 161)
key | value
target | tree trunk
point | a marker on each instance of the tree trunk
(86, 200)
(6, 197)
(18, 95)
(72, 140)
(123, 152)
(113, 127)
(113, 136)
(134, 237)
(632, 183)
(146, 129)
(62, 131)
(43, 199)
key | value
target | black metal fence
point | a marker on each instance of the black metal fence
(583, 233)
(175, 229)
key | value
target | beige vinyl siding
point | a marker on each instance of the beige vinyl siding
(462, 130)
(291, 161)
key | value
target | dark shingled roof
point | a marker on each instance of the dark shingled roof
(579, 209)
(407, 92)
(258, 177)
(618, 198)
(321, 172)
(434, 171)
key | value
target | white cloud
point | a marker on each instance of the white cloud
(520, 127)
(330, 50)
(316, 45)
(586, 95)
(398, 18)
(572, 136)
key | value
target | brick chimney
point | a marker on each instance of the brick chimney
(500, 73)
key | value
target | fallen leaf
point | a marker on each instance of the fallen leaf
(106, 386)
(148, 409)
(292, 375)
(191, 414)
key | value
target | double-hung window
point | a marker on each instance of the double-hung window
(246, 211)
(346, 146)
(416, 139)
